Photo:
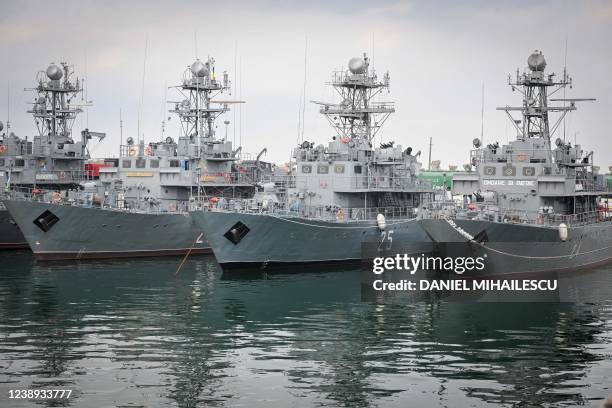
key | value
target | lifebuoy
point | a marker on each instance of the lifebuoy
(148, 151)
(56, 197)
(172, 207)
(226, 177)
(62, 175)
(521, 157)
(539, 219)
(132, 152)
(2, 148)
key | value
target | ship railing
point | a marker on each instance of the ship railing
(490, 212)
(330, 213)
(338, 182)
(221, 178)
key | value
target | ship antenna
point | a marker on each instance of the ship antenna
(304, 87)
(235, 84)
(8, 106)
(564, 75)
(482, 115)
(144, 66)
(240, 98)
(120, 131)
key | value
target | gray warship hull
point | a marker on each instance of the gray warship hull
(94, 233)
(521, 248)
(10, 234)
(275, 241)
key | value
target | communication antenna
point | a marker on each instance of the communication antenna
(304, 88)
(195, 41)
(564, 75)
(120, 130)
(144, 66)
(235, 84)
(86, 86)
(240, 98)
(430, 144)
(8, 106)
(482, 115)
(163, 110)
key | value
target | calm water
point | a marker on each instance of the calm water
(131, 333)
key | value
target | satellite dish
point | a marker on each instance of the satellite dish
(476, 142)
(559, 142)
(130, 141)
(467, 167)
(169, 140)
(54, 72)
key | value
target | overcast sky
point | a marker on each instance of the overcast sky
(438, 54)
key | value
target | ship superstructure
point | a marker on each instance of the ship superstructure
(537, 204)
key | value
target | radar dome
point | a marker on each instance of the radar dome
(199, 69)
(54, 72)
(536, 61)
(476, 142)
(357, 65)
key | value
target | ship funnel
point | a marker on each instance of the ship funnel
(536, 61)
(54, 72)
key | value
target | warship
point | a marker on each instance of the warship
(336, 198)
(528, 206)
(139, 206)
(52, 159)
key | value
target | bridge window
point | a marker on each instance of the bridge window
(339, 168)
(174, 163)
(357, 169)
(323, 169)
(19, 163)
(307, 169)
(154, 163)
(141, 163)
(126, 164)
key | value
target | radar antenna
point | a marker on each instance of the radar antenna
(358, 116)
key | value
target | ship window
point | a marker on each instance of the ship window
(357, 169)
(528, 171)
(1, 162)
(339, 168)
(174, 163)
(323, 169)
(489, 170)
(186, 165)
(154, 163)
(19, 162)
(306, 168)
(126, 164)
(141, 163)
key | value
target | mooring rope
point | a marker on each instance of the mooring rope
(526, 256)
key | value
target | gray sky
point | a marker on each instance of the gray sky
(438, 55)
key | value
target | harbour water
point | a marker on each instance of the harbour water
(132, 333)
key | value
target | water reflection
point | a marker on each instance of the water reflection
(133, 333)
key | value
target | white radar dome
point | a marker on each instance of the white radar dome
(199, 69)
(54, 72)
(536, 61)
(357, 65)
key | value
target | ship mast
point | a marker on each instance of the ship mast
(358, 116)
(52, 110)
(536, 88)
(195, 112)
